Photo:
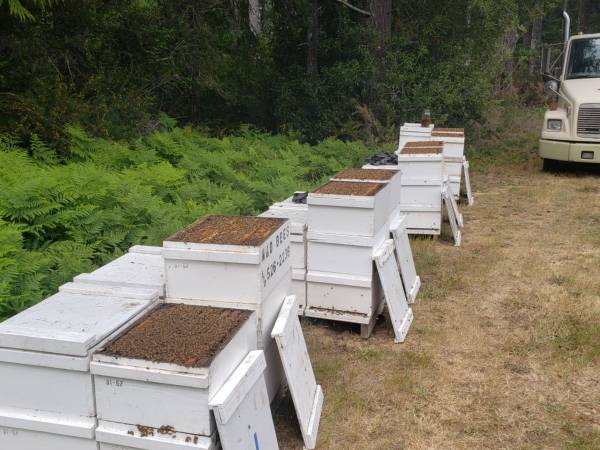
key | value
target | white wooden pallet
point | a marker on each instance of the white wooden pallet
(404, 257)
(307, 395)
(387, 268)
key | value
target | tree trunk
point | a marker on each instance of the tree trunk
(381, 17)
(312, 57)
(509, 45)
(536, 37)
(255, 12)
(585, 11)
(236, 16)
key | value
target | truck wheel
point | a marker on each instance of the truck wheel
(550, 165)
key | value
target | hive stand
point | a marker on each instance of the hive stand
(307, 395)
(470, 199)
(400, 313)
(242, 410)
(452, 217)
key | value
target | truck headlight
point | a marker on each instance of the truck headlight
(554, 124)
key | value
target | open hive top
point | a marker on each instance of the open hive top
(352, 188)
(422, 148)
(448, 132)
(366, 174)
(186, 335)
(229, 230)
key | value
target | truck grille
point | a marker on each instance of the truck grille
(588, 121)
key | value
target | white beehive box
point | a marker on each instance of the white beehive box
(46, 393)
(422, 168)
(410, 132)
(142, 267)
(344, 298)
(297, 213)
(224, 259)
(343, 254)
(348, 208)
(137, 385)
(392, 177)
(236, 262)
(453, 140)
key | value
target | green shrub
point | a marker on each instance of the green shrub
(58, 220)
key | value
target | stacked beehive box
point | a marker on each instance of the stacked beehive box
(234, 262)
(346, 221)
(411, 132)
(46, 389)
(154, 381)
(422, 167)
(296, 210)
(391, 176)
(453, 140)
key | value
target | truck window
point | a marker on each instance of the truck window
(584, 59)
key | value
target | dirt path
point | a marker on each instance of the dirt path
(504, 351)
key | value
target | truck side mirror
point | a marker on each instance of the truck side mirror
(551, 87)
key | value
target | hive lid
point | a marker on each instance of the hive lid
(69, 324)
(134, 269)
(350, 188)
(366, 174)
(229, 230)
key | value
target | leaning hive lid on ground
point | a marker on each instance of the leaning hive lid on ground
(243, 231)
(350, 188)
(379, 175)
(69, 324)
(177, 334)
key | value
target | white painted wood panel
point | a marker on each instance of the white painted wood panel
(400, 313)
(242, 409)
(307, 395)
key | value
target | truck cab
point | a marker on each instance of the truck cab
(571, 129)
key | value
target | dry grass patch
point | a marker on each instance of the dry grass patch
(504, 351)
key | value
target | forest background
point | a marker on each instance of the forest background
(123, 120)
